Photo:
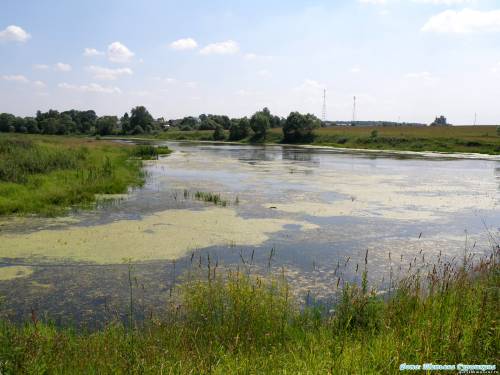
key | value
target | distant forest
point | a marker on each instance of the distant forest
(295, 127)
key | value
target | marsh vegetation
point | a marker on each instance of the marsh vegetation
(47, 175)
(233, 320)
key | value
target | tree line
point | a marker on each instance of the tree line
(296, 127)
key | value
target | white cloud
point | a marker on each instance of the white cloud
(119, 53)
(62, 67)
(308, 85)
(192, 84)
(41, 66)
(103, 73)
(254, 56)
(14, 33)
(464, 21)
(90, 52)
(243, 92)
(375, 2)
(227, 47)
(264, 73)
(39, 84)
(355, 69)
(433, 2)
(92, 87)
(19, 78)
(443, 2)
(184, 44)
(425, 78)
(16, 78)
(496, 68)
(419, 75)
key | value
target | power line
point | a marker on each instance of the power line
(354, 111)
(323, 114)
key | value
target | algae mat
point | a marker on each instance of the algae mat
(166, 235)
(14, 272)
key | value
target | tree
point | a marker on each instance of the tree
(188, 123)
(219, 134)
(125, 123)
(139, 116)
(299, 127)
(6, 121)
(208, 124)
(106, 125)
(260, 124)
(138, 130)
(66, 125)
(239, 129)
(19, 124)
(32, 125)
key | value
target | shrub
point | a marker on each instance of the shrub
(300, 127)
(219, 134)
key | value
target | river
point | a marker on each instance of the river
(310, 214)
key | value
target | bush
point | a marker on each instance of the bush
(219, 134)
(299, 128)
(259, 124)
(240, 129)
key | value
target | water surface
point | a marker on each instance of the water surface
(315, 211)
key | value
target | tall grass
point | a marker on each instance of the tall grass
(209, 197)
(232, 321)
(47, 175)
(149, 152)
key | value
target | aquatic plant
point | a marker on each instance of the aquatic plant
(149, 152)
(223, 320)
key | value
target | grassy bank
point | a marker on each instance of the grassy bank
(474, 139)
(231, 322)
(47, 174)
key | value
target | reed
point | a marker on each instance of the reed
(224, 320)
(48, 175)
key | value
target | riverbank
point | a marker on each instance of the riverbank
(449, 139)
(48, 175)
(237, 322)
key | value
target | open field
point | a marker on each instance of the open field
(48, 174)
(236, 322)
(474, 139)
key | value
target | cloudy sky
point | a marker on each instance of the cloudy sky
(402, 59)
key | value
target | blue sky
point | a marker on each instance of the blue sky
(402, 59)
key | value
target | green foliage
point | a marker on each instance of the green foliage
(149, 152)
(226, 322)
(140, 117)
(210, 197)
(299, 128)
(219, 134)
(259, 123)
(107, 125)
(45, 176)
(240, 129)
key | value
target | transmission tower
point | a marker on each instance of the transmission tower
(475, 118)
(323, 114)
(354, 112)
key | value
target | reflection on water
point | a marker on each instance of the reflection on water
(320, 210)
